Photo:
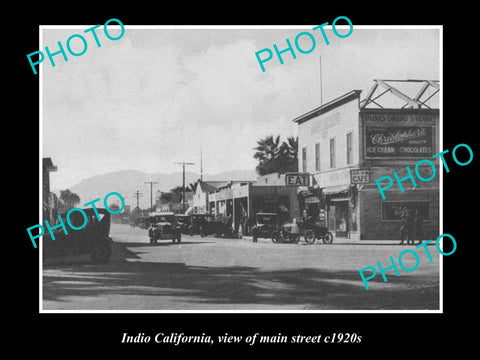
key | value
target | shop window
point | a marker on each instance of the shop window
(392, 210)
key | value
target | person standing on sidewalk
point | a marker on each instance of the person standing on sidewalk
(410, 227)
(403, 227)
(418, 226)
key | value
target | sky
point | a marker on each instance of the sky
(157, 96)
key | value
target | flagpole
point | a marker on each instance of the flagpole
(321, 80)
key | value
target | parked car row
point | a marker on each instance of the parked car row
(268, 225)
(163, 226)
(94, 238)
(171, 226)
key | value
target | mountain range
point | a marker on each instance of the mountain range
(127, 182)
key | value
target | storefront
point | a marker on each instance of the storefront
(394, 139)
(242, 201)
(346, 147)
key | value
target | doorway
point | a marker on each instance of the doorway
(338, 218)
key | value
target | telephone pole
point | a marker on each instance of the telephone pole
(151, 193)
(201, 164)
(183, 163)
(137, 195)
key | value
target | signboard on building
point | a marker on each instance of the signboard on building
(398, 135)
(398, 141)
(336, 177)
(359, 176)
(297, 179)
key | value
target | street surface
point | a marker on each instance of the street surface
(236, 274)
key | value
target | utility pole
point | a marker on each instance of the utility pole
(151, 192)
(201, 164)
(137, 195)
(183, 163)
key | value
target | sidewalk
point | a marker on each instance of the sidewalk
(347, 241)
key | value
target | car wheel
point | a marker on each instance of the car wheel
(328, 238)
(275, 237)
(309, 237)
(100, 251)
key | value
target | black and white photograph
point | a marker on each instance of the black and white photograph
(232, 179)
(241, 168)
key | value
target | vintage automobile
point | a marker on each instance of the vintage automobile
(265, 224)
(184, 221)
(92, 239)
(292, 232)
(163, 226)
(320, 232)
(223, 228)
(201, 224)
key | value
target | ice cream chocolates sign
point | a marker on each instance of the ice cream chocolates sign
(394, 136)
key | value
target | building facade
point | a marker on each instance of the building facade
(242, 200)
(49, 199)
(203, 189)
(346, 147)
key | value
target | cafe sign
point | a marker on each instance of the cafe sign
(359, 176)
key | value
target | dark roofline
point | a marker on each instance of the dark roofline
(48, 164)
(345, 98)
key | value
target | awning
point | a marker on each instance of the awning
(189, 211)
(339, 189)
(283, 208)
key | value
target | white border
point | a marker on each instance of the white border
(259, 27)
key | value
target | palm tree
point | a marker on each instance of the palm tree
(290, 147)
(289, 154)
(275, 157)
(191, 187)
(267, 153)
(267, 148)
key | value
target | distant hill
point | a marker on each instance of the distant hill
(127, 182)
